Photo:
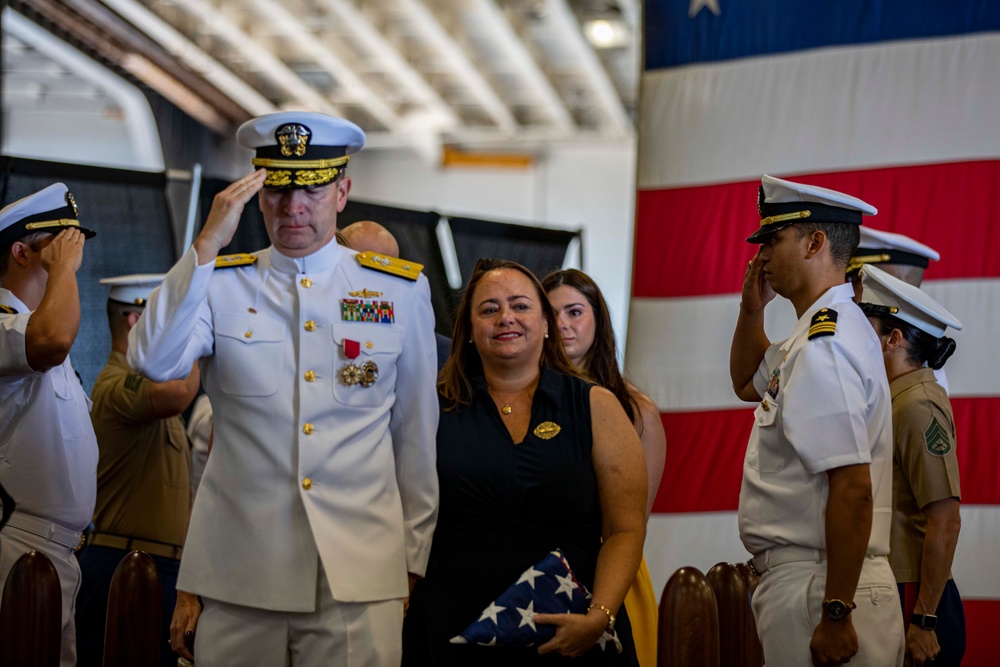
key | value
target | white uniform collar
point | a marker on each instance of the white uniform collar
(834, 295)
(322, 260)
(7, 297)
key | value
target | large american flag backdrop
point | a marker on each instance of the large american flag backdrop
(894, 101)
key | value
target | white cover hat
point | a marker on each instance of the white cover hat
(782, 203)
(887, 294)
(133, 289)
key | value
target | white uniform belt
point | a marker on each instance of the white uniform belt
(42, 528)
(775, 556)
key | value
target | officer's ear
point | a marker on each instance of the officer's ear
(816, 240)
(133, 317)
(895, 340)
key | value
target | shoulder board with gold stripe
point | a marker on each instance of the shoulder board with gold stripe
(10, 310)
(824, 323)
(397, 267)
(239, 259)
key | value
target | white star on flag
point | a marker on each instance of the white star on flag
(491, 612)
(529, 575)
(566, 585)
(527, 615)
(696, 6)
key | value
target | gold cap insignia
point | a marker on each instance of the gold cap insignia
(547, 430)
(72, 203)
(293, 139)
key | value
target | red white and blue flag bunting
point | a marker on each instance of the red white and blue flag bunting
(893, 101)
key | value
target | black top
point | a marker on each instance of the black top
(504, 506)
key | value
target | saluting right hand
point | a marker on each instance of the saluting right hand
(224, 218)
(65, 251)
(757, 292)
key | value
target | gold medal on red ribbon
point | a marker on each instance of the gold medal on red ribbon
(351, 374)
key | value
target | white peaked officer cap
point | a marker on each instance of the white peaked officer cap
(886, 294)
(49, 210)
(300, 149)
(782, 203)
(133, 289)
(888, 248)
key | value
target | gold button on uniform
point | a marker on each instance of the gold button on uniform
(307, 484)
(306, 282)
(310, 376)
(307, 429)
(310, 325)
(248, 334)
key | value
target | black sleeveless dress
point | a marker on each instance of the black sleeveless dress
(503, 508)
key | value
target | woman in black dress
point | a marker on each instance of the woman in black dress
(531, 458)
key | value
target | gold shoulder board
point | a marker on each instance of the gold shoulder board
(239, 259)
(397, 267)
(10, 310)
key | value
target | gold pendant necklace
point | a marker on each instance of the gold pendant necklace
(506, 409)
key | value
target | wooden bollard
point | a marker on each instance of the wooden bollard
(735, 617)
(132, 636)
(31, 614)
(751, 580)
(689, 622)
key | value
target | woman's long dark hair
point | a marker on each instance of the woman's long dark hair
(464, 364)
(924, 349)
(600, 364)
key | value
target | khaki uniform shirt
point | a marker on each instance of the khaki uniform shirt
(925, 464)
(144, 472)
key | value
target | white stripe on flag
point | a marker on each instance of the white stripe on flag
(679, 348)
(734, 120)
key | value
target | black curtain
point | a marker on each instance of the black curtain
(540, 250)
(415, 231)
(128, 211)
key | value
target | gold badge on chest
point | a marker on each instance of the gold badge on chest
(547, 430)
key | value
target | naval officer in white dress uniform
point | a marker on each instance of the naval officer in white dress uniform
(320, 496)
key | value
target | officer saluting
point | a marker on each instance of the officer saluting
(816, 500)
(320, 495)
(47, 444)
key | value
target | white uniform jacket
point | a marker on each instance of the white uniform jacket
(824, 404)
(48, 452)
(303, 467)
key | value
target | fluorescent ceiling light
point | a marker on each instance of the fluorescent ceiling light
(606, 33)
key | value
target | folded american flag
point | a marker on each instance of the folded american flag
(549, 587)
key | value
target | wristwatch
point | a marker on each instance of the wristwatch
(837, 610)
(924, 621)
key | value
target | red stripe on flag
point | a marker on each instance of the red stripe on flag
(705, 453)
(981, 620)
(690, 241)
(704, 460)
(977, 421)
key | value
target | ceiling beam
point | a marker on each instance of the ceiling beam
(436, 113)
(597, 77)
(257, 56)
(513, 46)
(438, 38)
(192, 56)
(352, 86)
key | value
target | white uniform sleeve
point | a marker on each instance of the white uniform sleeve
(825, 409)
(13, 354)
(176, 327)
(414, 429)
